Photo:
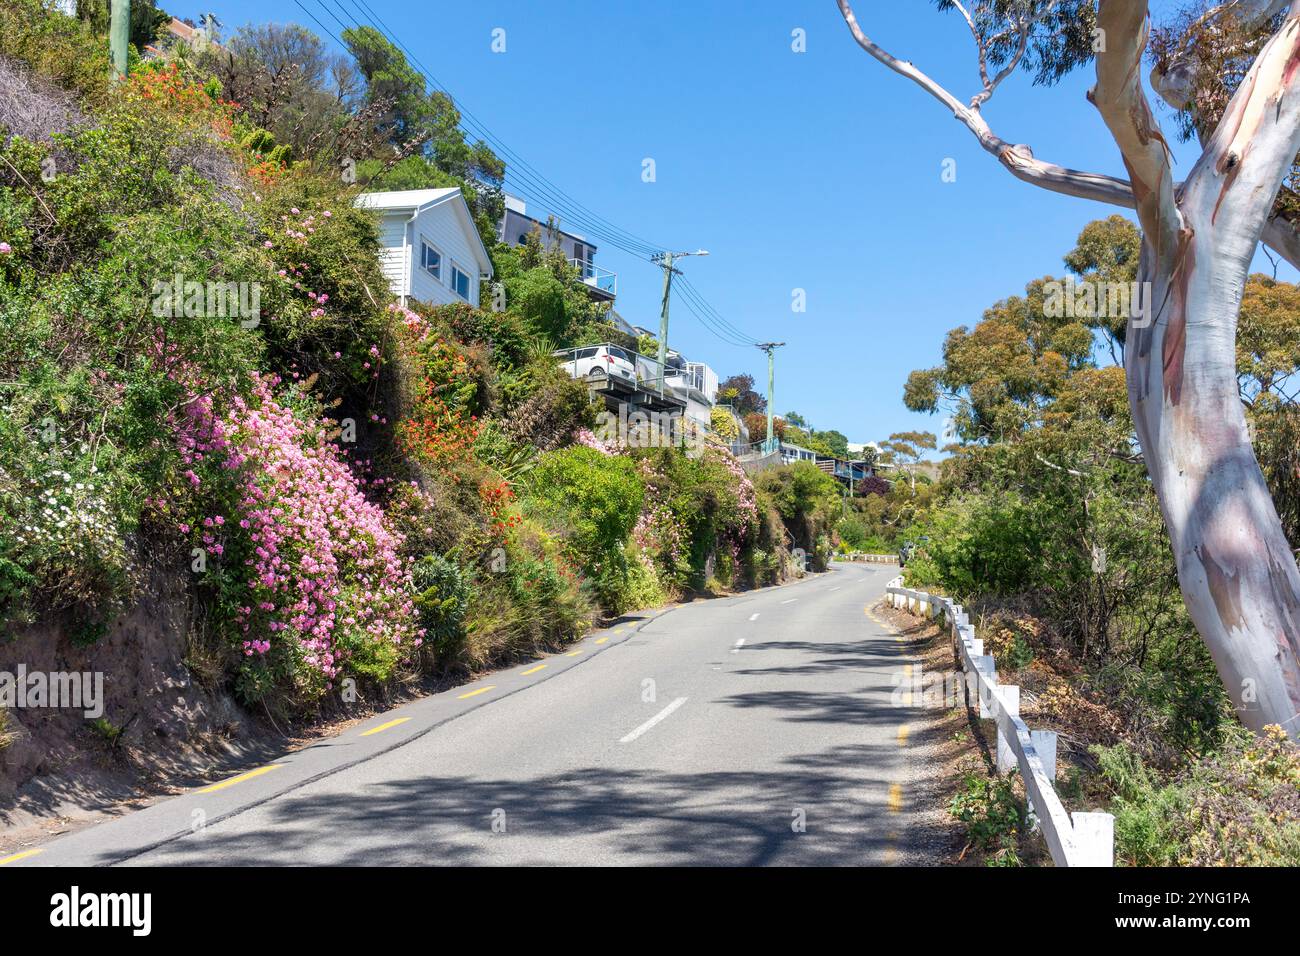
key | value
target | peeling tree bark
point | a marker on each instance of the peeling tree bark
(1236, 570)
(1235, 566)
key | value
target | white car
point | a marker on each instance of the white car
(609, 361)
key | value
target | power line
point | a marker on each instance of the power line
(560, 201)
(701, 311)
(534, 182)
(717, 317)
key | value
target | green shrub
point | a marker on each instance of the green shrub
(809, 502)
(533, 602)
(59, 47)
(441, 601)
(993, 814)
(598, 498)
(979, 543)
(92, 377)
(699, 507)
(1240, 807)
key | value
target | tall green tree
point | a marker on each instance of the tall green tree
(146, 19)
(419, 137)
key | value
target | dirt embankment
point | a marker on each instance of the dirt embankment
(157, 722)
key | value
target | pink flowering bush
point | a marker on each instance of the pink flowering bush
(696, 509)
(310, 573)
(585, 436)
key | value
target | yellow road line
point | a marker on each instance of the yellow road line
(573, 653)
(618, 630)
(20, 856)
(601, 640)
(475, 693)
(241, 778)
(391, 723)
(895, 797)
(903, 731)
(532, 670)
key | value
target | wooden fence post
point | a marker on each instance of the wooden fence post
(1008, 696)
(1094, 835)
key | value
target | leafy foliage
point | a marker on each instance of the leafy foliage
(1237, 808)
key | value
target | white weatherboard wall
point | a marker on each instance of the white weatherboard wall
(392, 257)
(441, 218)
(1077, 839)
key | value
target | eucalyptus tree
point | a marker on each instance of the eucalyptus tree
(1236, 570)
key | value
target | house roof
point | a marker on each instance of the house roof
(406, 198)
(181, 29)
(415, 201)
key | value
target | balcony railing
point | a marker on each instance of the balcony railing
(596, 277)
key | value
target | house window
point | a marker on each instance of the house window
(460, 282)
(431, 260)
(582, 257)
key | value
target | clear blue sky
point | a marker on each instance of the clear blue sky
(816, 170)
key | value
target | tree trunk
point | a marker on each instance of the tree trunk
(1235, 567)
(1236, 570)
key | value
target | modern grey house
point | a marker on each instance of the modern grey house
(515, 226)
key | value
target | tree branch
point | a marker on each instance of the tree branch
(1280, 234)
(1176, 82)
(1018, 159)
(1123, 105)
(1255, 143)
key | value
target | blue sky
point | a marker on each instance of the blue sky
(818, 170)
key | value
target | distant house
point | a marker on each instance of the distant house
(697, 384)
(178, 32)
(432, 250)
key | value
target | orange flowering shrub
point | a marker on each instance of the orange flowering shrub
(165, 87)
(498, 503)
(442, 425)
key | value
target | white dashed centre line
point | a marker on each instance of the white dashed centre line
(653, 720)
(739, 644)
(754, 616)
(789, 600)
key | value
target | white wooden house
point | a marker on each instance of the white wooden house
(432, 250)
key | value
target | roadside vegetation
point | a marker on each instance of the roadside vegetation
(1044, 524)
(350, 489)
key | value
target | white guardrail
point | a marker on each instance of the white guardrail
(863, 556)
(1078, 839)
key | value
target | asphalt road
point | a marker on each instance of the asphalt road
(752, 730)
